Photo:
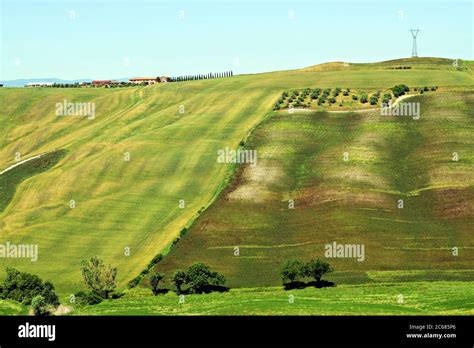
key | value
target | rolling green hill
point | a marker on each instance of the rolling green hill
(173, 156)
(347, 202)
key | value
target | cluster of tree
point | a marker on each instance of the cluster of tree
(197, 279)
(400, 67)
(399, 90)
(295, 270)
(202, 76)
(29, 289)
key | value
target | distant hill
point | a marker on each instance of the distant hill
(23, 82)
(419, 63)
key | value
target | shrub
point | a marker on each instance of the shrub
(159, 257)
(87, 298)
(332, 100)
(40, 306)
(354, 97)
(373, 100)
(363, 98)
(135, 281)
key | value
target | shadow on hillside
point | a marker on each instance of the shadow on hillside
(205, 290)
(303, 285)
(162, 291)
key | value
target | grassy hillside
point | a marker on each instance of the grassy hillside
(419, 298)
(134, 204)
(348, 202)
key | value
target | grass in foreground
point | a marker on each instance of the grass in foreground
(412, 298)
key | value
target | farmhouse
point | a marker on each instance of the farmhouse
(145, 80)
(164, 79)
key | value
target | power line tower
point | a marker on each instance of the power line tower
(414, 33)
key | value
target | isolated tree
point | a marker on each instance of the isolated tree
(155, 279)
(98, 277)
(291, 271)
(316, 269)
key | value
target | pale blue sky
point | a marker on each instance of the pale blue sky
(112, 39)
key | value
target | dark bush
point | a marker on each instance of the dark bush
(87, 298)
(22, 287)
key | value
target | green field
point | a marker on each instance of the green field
(134, 203)
(417, 298)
